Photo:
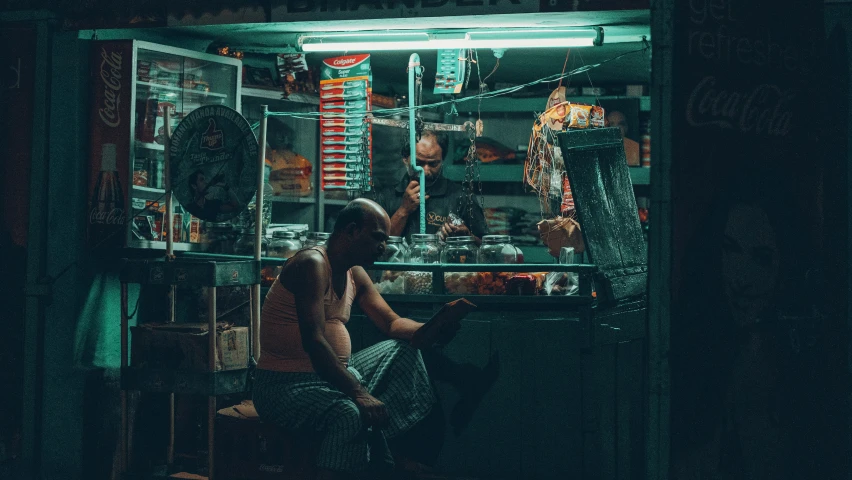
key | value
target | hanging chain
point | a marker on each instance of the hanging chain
(472, 182)
(363, 169)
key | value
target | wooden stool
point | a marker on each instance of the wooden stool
(248, 449)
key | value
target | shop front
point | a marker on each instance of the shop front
(547, 109)
(556, 344)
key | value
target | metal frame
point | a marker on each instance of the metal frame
(659, 250)
(36, 291)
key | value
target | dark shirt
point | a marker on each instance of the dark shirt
(445, 197)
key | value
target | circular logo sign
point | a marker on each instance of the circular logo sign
(213, 158)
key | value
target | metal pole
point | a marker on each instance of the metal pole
(657, 431)
(414, 68)
(211, 364)
(255, 288)
(124, 349)
(36, 262)
(167, 177)
(168, 180)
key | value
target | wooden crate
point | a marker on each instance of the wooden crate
(185, 347)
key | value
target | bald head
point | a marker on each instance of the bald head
(360, 233)
(617, 119)
(361, 212)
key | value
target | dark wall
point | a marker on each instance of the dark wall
(760, 246)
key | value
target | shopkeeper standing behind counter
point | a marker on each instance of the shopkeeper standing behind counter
(443, 196)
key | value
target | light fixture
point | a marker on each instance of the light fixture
(498, 39)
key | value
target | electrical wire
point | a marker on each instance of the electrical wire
(390, 112)
(496, 66)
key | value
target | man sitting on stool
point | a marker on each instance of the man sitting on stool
(308, 381)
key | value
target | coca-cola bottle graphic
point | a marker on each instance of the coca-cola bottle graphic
(106, 217)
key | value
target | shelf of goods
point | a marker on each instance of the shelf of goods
(515, 173)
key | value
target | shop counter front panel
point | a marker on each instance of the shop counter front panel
(527, 420)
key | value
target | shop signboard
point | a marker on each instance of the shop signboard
(746, 177)
(213, 163)
(315, 10)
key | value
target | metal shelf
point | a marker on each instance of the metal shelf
(282, 199)
(515, 173)
(185, 91)
(149, 193)
(310, 200)
(538, 104)
(150, 146)
(161, 245)
(254, 93)
(181, 381)
(499, 302)
(640, 175)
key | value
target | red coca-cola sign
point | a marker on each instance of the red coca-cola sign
(111, 63)
(111, 73)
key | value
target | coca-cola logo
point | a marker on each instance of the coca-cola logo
(766, 109)
(343, 62)
(111, 77)
(114, 216)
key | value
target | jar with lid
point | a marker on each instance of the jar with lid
(220, 237)
(245, 243)
(424, 249)
(497, 249)
(459, 250)
(395, 251)
(316, 239)
(301, 233)
(284, 244)
(391, 281)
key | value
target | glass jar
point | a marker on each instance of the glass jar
(245, 243)
(395, 252)
(284, 244)
(220, 237)
(459, 250)
(301, 233)
(497, 249)
(391, 281)
(424, 249)
(316, 239)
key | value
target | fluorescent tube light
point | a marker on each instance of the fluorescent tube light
(513, 38)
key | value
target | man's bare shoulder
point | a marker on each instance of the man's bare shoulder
(304, 270)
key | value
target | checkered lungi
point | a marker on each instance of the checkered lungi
(392, 371)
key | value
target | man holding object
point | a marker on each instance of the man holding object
(443, 197)
(308, 381)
